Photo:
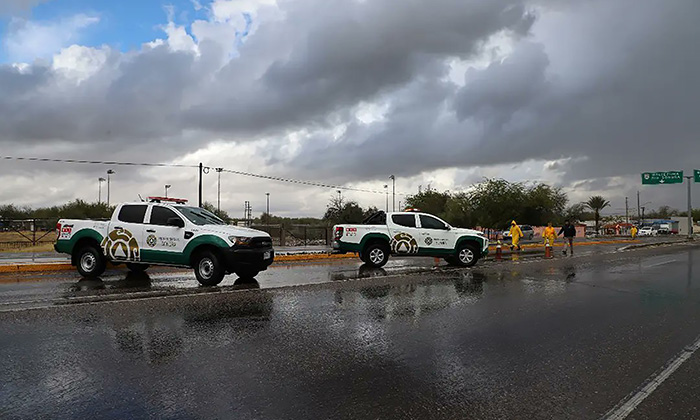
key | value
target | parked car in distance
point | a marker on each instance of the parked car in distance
(647, 231)
(528, 232)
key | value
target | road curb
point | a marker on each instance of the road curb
(640, 246)
(59, 266)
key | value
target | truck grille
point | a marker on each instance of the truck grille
(261, 242)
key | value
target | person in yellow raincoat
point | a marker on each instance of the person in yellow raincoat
(633, 231)
(515, 235)
(549, 235)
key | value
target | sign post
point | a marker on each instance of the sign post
(656, 178)
(673, 177)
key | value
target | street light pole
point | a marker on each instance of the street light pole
(690, 209)
(166, 189)
(393, 193)
(627, 211)
(386, 190)
(267, 196)
(218, 191)
(109, 172)
(100, 180)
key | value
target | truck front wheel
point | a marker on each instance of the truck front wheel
(90, 261)
(376, 254)
(246, 273)
(208, 269)
(466, 255)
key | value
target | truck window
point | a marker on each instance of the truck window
(160, 215)
(407, 220)
(132, 213)
(428, 222)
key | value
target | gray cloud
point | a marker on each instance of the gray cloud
(14, 7)
(615, 81)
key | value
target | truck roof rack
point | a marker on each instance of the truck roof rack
(167, 200)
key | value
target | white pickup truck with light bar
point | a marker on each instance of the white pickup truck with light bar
(409, 233)
(165, 231)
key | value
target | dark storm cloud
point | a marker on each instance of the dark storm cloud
(616, 82)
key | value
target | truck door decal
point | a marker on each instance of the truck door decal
(120, 244)
(403, 243)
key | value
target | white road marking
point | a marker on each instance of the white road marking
(660, 263)
(627, 405)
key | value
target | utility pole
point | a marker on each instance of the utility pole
(109, 172)
(638, 208)
(201, 168)
(393, 193)
(627, 211)
(690, 209)
(340, 197)
(100, 180)
(642, 214)
(218, 192)
(267, 196)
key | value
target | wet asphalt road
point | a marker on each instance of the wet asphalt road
(563, 338)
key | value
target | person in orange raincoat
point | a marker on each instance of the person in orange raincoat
(515, 235)
(549, 235)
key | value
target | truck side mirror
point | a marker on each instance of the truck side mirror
(176, 221)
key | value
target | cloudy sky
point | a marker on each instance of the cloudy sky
(585, 95)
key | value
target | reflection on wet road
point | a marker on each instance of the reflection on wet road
(566, 338)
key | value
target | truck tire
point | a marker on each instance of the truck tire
(208, 269)
(466, 255)
(376, 254)
(246, 273)
(90, 262)
(137, 268)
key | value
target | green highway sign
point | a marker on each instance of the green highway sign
(669, 177)
(697, 175)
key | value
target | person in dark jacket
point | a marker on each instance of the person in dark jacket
(569, 231)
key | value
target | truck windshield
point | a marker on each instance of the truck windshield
(200, 217)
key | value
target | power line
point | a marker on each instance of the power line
(207, 168)
(97, 162)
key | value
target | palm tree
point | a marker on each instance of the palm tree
(597, 203)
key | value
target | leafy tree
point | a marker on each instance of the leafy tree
(543, 204)
(597, 203)
(430, 201)
(496, 202)
(578, 212)
(221, 214)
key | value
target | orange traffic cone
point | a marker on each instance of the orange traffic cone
(547, 251)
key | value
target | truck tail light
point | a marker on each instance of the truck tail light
(338, 232)
(58, 229)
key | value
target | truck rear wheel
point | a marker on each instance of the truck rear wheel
(376, 254)
(90, 262)
(208, 269)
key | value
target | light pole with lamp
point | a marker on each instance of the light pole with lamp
(643, 207)
(393, 192)
(267, 196)
(386, 190)
(166, 189)
(100, 180)
(109, 172)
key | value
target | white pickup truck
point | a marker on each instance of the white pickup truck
(409, 233)
(165, 232)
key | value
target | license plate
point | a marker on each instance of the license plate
(267, 255)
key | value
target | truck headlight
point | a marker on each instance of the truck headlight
(239, 240)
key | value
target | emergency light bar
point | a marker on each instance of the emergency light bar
(167, 200)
